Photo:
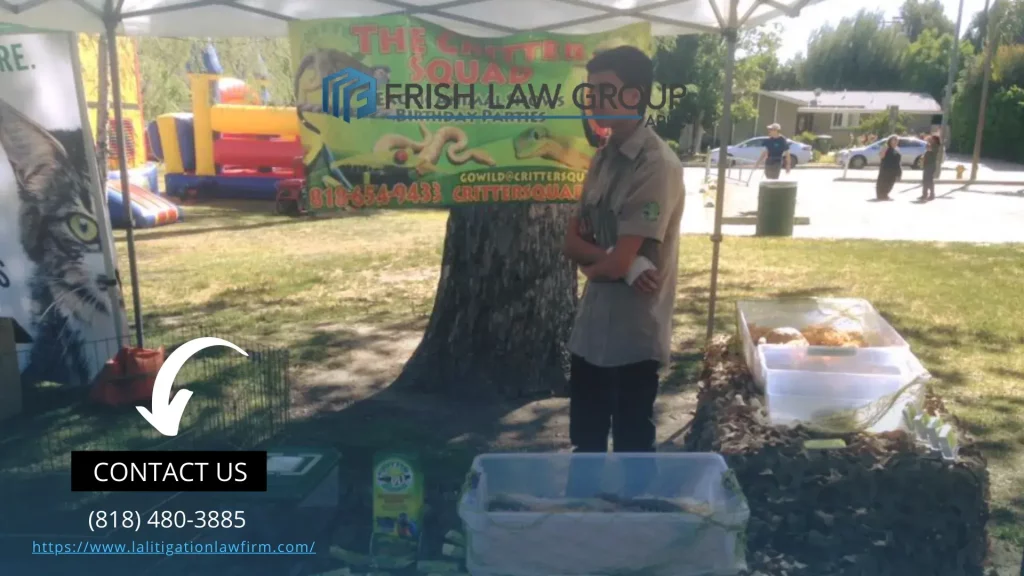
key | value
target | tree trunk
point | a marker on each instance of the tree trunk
(686, 139)
(698, 132)
(504, 307)
(102, 109)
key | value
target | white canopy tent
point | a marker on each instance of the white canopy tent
(233, 18)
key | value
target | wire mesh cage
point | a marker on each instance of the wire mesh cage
(239, 402)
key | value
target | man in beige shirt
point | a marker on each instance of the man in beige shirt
(625, 238)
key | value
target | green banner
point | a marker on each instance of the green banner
(454, 120)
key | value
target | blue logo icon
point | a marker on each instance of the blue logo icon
(340, 87)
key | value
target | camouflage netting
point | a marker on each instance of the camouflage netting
(880, 506)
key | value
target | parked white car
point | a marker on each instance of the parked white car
(911, 149)
(748, 151)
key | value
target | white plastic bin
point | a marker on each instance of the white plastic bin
(840, 313)
(807, 384)
(598, 543)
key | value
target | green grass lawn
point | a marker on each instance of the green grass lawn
(242, 270)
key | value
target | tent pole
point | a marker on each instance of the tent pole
(723, 147)
(99, 189)
(122, 161)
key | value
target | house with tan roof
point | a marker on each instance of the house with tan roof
(837, 114)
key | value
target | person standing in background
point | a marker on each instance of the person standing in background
(929, 168)
(891, 169)
(775, 154)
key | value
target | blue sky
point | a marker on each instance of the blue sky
(798, 30)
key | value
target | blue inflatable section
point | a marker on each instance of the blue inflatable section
(153, 137)
(148, 209)
(184, 126)
(150, 173)
(222, 187)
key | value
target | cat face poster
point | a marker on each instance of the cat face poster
(56, 248)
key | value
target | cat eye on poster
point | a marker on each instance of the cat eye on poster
(56, 251)
(84, 228)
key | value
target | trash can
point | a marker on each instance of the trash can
(823, 143)
(776, 207)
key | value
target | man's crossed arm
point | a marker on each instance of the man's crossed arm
(611, 266)
(643, 216)
(578, 246)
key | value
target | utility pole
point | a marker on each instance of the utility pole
(954, 55)
(979, 132)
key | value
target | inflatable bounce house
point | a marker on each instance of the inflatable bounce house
(149, 207)
(232, 145)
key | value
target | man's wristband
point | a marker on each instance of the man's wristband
(639, 265)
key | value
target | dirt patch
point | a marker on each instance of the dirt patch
(834, 511)
(1005, 559)
(415, 276)
(345, 399)
(360, 362)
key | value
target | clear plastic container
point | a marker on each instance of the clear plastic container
(807, 384)
(840, 313)
(549, 542)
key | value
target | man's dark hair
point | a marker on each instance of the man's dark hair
(634, 68)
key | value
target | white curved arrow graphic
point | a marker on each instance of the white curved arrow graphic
(166, 414)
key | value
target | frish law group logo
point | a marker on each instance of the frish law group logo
(339, 89)
(350, 92)
(394, 476)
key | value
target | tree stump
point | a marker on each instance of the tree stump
(504, 308)
(880, 506)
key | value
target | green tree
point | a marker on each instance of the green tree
(1004, 124)
(691, 60)
(927, 62)
(878, 124)
(1005, 114)
(758, 48)
(862, 52)
(919, 16)
(165, 86)
(786, 76)
(1008, 16)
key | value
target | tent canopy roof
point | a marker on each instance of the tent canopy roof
(226, 18)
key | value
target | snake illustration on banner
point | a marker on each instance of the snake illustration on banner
(455, 119)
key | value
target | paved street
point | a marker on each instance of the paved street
(981, 213)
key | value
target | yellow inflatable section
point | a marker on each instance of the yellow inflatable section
(208, 120)
(131, 95)
(254, 120)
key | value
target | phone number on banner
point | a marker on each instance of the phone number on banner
(429, 194)
(416, 194)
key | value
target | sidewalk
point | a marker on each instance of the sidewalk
(847, 210)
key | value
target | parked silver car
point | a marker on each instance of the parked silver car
(911, 149)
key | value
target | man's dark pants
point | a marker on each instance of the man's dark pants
(619, 399)
(772, 169)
